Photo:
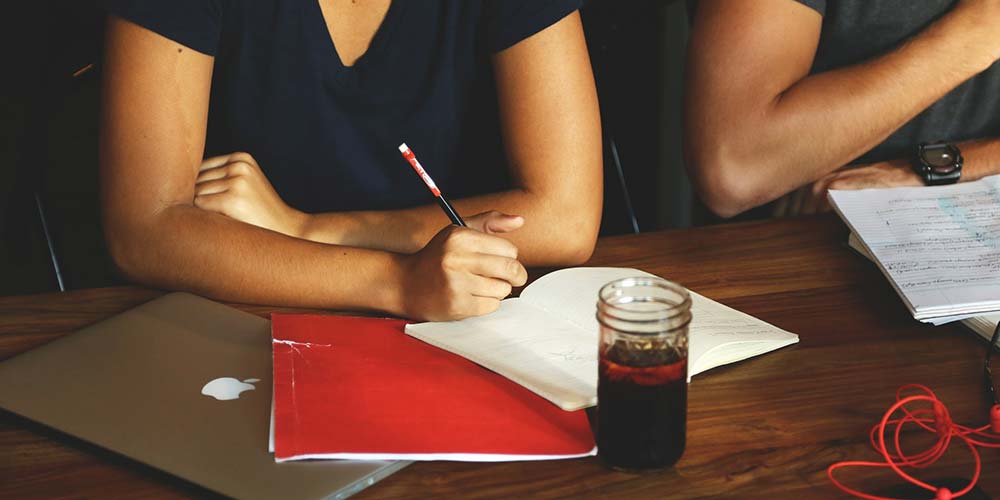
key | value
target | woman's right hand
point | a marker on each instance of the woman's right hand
(460, 273)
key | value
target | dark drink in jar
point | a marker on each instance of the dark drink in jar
(642, 373)
(642, 412)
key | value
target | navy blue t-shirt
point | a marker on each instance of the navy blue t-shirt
(326, 135)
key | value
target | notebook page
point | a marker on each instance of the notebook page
(718, 334)
(544, 353)
(940, 246)
(721, 335)
(572, 293)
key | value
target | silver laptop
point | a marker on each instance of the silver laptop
(134, 384)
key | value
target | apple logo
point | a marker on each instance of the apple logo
(228, 388)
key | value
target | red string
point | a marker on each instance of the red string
(935, 419)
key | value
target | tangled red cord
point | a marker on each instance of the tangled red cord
(934, 419)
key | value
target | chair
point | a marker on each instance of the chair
(53, 232)
(637, 54)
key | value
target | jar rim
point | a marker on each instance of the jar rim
(671, 312)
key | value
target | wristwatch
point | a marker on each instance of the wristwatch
(938, 163)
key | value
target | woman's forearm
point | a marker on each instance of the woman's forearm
(186, 248)
(556, 231)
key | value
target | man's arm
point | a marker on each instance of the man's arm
(551, 130)
(758, 125)
(155, 108)
(981, 158)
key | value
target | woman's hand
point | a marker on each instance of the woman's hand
(462, 272)
(494, 222)
(233, 185)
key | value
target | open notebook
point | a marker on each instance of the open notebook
(938, 246)
(546, 340)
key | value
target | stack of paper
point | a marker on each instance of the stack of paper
(938, 246)
(982, 325)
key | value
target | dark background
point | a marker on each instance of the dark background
(49, 123)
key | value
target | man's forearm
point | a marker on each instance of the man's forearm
(841, 114)
(555, 231)
(798, 134)
(981, 159)
(186, 248)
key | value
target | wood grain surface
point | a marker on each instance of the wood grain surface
(764, 428)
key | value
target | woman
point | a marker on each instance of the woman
(249, 149)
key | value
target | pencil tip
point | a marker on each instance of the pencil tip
(403, 148)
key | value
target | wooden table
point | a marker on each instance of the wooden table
(766, 427)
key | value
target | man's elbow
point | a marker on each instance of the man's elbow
(728, 185)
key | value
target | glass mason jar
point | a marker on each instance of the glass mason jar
(642, 373)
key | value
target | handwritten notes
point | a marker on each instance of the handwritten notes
(546, 340)
(939, 246)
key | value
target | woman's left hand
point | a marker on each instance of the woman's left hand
(234, 185)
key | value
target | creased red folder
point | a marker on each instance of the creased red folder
(359, 388)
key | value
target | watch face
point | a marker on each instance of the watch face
(941, 159)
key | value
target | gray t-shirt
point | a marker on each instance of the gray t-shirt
(857, 30)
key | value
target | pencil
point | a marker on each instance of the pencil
(443, 203)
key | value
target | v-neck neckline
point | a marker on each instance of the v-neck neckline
(378, 41)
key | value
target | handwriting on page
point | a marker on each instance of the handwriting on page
(939, 245)
(720, 335)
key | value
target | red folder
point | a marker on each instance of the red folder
(349, 387)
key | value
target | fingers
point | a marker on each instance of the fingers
(490, 288)
(459, 239)
(461, 273)
(212, 187)
(482, 305)
(494, 222)
(212, 174)
(815, 197)
(471, 307)
(503, 224)
(218, 161)
(502, 268)
(213, 162)
(231, 169)
(798, 201)
(216, 202)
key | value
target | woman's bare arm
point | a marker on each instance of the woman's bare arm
(155, 107)
(551, 130)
